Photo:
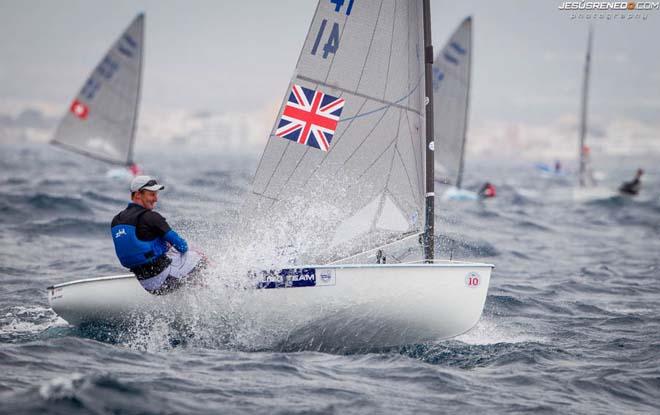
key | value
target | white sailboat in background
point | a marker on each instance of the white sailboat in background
(101, 121)
(451, 95)
(348, 167)
(587, 188)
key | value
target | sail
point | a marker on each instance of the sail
(451, 87)
(101, 120)
(344, 163)
(583, 150)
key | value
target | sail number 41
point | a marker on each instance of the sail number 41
(332, 43)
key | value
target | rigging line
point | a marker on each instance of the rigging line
(369, 97)
(265, 197)
(278, 162)
(389, 174)
(405, 237)
(416, 152)
(406, 170)
(366, 137)
(389, 59)
(371, 41)
(381, 203)
(382, 153)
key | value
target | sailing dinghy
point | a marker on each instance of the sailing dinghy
(347, 172)
(451, 91)
(588, 189)
(100, 122)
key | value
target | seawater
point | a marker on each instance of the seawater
(571, 323)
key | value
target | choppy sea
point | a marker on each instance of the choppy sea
(571, 322)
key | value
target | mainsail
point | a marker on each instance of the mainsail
(584, 150)
(344, 164)
(451, 88)
(101, 120)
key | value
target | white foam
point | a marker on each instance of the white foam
(491, 332)
(58, 388)
(25, 320)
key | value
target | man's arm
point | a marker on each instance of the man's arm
(162, 228)
(177, 242)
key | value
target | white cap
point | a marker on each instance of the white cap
(145, 183)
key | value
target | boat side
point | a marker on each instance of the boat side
(386, 304)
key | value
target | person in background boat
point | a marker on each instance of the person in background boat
(487, 190)
(557, 166)
(147, 245)
(632, 187)
(134, 169)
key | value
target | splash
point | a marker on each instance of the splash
(489, 331)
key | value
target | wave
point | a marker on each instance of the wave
(22, 324)
(85, 393)
(38, 203)
(470, 356)
(104, 198)
(82, 228)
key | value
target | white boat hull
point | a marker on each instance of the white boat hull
(352, 305)
(454, 193)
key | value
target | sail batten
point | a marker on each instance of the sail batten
(357, 94)
(102, 119)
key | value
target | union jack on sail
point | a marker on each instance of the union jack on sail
(310, 117)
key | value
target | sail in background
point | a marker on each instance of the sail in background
(101, 120)
(585, 177)
(451, 88)
(359, 86)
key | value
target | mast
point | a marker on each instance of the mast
(129, 161)
(430, 166)
(583, 116)
(459, 179)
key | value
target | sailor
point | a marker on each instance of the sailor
(148, 246)
(632, 187)
(557, 166)
(487, 190)
(134, 169)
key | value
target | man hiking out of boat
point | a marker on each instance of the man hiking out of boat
(147, 245)
(632, 187)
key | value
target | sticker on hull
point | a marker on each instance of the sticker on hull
(293, 278)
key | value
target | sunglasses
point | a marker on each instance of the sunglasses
(149, 184)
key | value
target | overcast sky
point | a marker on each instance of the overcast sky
(227, 55)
